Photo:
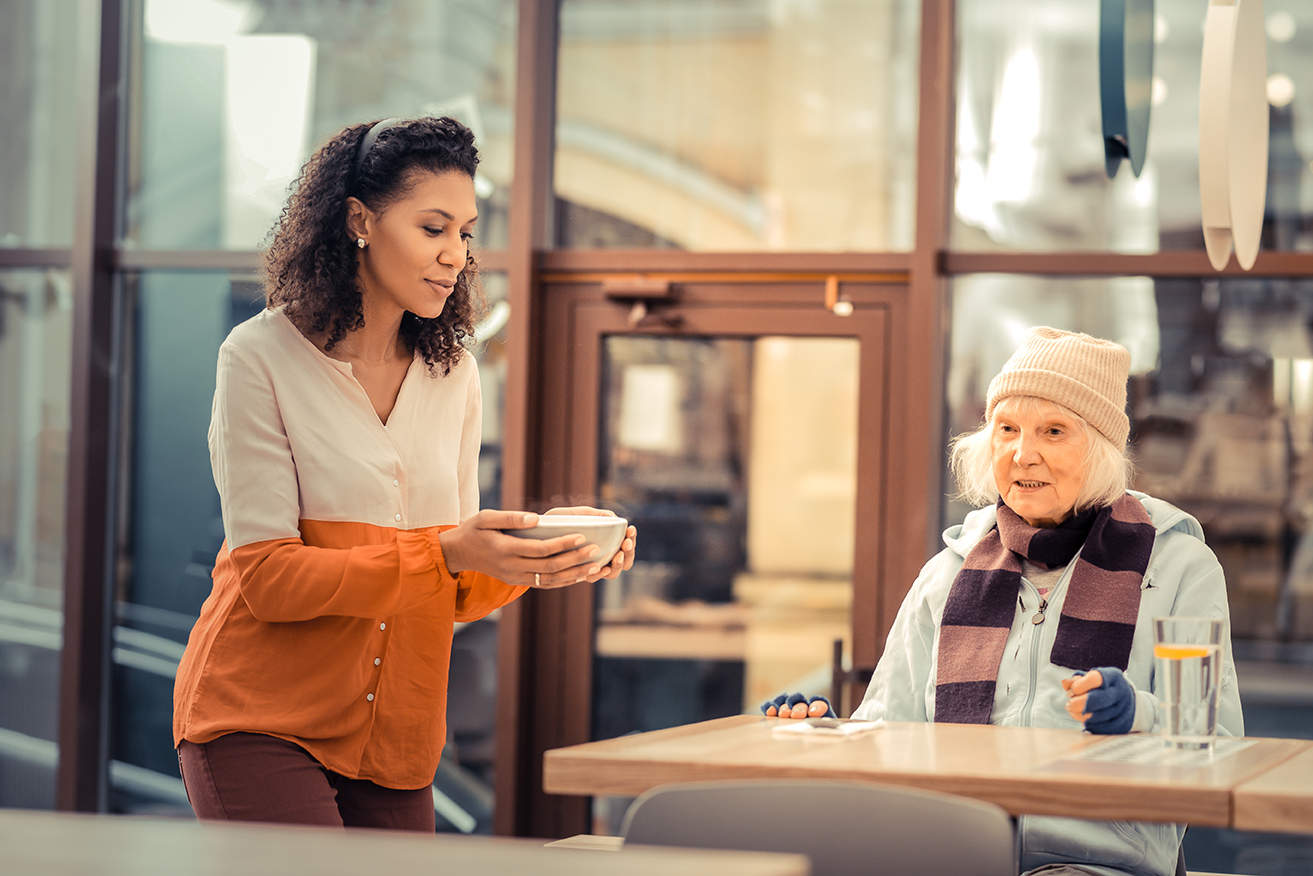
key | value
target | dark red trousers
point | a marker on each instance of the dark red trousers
(253, 777)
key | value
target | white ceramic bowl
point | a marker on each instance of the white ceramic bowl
(606, 532)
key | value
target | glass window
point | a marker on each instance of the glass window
(36, 327)
(38, 66)
(235, 94)
(737, 125)
(1030, 160)
(491, 353)
(178, 321)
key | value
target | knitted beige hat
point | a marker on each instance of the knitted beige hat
(1084, 374)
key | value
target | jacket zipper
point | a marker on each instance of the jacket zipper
(1034, 658)
(1037, 620)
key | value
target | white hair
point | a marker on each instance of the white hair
(1108, 469)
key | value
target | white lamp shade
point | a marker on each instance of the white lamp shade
(1233, 131)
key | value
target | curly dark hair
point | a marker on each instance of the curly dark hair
(311, 267)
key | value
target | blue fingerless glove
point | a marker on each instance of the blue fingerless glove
(1111, 705)
(790, 700)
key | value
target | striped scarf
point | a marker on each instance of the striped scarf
(1097, 623)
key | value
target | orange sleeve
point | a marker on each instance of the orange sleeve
(477, 594)
(378, 572)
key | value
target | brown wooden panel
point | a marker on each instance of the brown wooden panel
(1111, 264)
(35, 258)
(918, 350)
(82, 775)
(728, 277)
(656, 260)
(535, 111)
(805, 291)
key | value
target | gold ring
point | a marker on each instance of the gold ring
(537, 580)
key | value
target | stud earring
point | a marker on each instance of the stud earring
(360, 242)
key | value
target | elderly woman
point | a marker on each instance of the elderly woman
(1039, 612)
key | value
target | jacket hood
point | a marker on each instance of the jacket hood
(962, 537)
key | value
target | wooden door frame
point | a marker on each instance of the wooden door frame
(557, 627)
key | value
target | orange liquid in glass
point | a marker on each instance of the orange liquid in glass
(1180, 652)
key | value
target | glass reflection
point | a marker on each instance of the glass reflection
(179, 320)
(1030, 164)
(36, 326)
(733, 125)
(235, 94)
(39, 66)
(736, 459)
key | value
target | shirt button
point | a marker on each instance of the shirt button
(396, 483)
(378, 660)
(398, 517)
(383, 626)
(369, 697)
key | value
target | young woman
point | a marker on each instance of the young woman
(344, 441)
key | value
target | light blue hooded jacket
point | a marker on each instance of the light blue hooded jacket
(1183, 578)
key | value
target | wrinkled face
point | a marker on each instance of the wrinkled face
(417, 247)
(1039, 459)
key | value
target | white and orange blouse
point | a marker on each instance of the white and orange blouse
(330, 622)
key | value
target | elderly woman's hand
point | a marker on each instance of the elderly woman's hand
(796, 706)
(1102, 699)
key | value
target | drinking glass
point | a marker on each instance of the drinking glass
(1188, 651)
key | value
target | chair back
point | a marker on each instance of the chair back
(846, 828)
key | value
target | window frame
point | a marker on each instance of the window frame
(98, 262)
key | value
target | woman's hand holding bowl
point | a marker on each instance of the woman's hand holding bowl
(545, 561)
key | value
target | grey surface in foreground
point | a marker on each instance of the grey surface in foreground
(63, 844)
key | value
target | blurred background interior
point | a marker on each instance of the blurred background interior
(750, 263)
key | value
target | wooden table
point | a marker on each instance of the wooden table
(67, 844)
(1280, 799)
(1025, 770)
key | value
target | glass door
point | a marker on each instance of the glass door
(736, 458)
(743, 426)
